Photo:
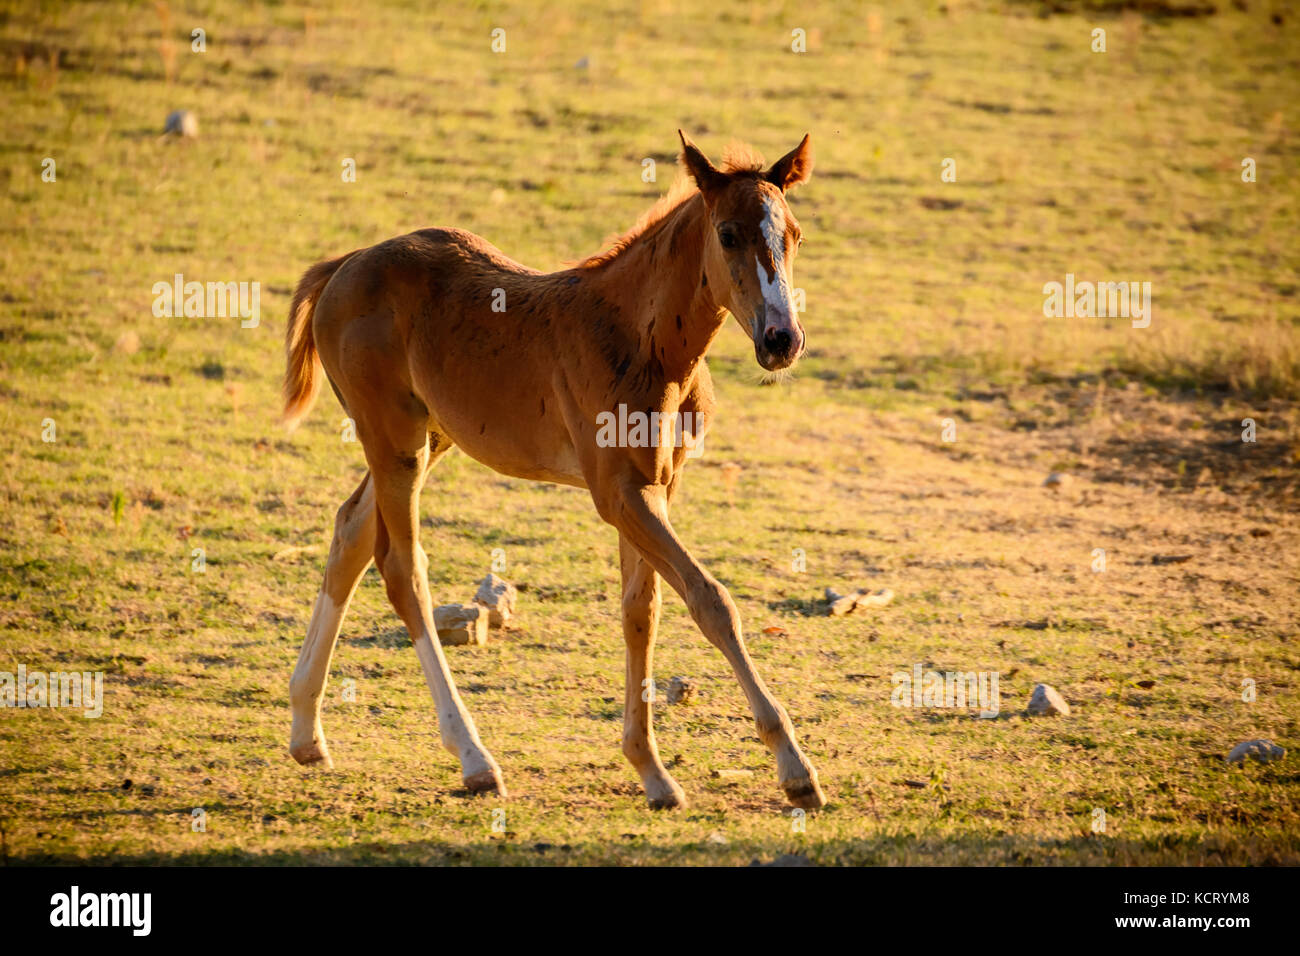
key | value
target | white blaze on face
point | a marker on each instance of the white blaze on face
(776, 292)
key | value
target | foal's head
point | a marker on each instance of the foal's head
(749, 250)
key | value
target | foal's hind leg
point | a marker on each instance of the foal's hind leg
(398, 453)
(350, 552)
(640, 621)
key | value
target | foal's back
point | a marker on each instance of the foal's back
(442, 319)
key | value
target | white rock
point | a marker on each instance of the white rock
(879, 598)
(497, 595)
(1046, 701)
(1265, 751)
(841, 604)
(461, 624)
(733, 774)
(1056, 481)
(680, 690)
(128, 343)
(182, 123)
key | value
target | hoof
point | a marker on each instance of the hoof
(805, 794)
(486, 781)
(675, 800)
(313, 754)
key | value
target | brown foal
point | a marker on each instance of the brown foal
(436, 339)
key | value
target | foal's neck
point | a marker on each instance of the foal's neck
(658, 282)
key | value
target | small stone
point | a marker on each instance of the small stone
(730, 475)
(461, 624)
(497, 595)
(841, 604)
(680, 690)
(1056, 481)
(716, 838)
(880, 598)
(732, 774)
(182, 123)
(1264, 751)
(1046, 701)
(128, 343)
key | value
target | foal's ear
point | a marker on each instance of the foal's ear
(706, 176)
(793, 168)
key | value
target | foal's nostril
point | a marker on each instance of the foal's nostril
(777, 341)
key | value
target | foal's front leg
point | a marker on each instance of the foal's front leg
(640, 621)
(640, 512)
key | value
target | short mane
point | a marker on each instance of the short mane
(682, 189)
(740, 158)
(737, 160)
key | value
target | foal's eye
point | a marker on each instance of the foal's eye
(728, 239)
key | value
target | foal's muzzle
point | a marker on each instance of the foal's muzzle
(780, 347)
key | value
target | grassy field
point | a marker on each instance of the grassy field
(924, 305)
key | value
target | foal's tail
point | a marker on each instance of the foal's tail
(302, 373)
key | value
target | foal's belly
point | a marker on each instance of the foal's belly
(513, 437)
(561, 466)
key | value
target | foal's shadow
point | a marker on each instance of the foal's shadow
(391, 639)
(804, 607)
